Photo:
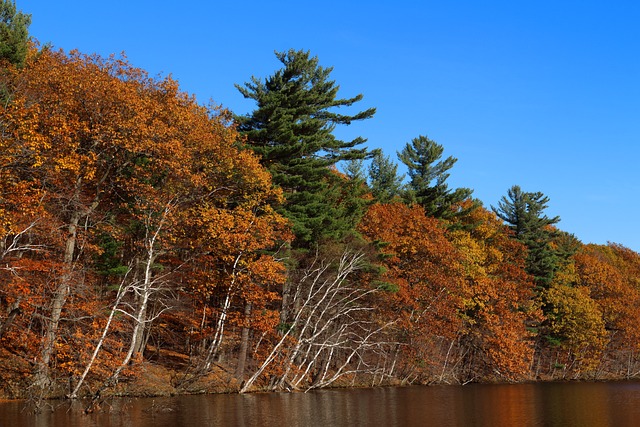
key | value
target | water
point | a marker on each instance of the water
(522, 405)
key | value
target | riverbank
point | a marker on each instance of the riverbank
(168, 378)
(150, 379)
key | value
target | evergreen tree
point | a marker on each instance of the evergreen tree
(428, 175)
(354, 170)
(14, 34)
(384, 180)
(523, 212)
(292, 130)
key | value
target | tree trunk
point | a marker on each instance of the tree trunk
(121, 293)
(13, 311)
(244, 343)
(145, 290)
(140, 341)
(42, 377)
(286, 297)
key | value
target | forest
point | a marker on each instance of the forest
(153, 245)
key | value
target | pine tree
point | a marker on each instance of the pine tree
(14, 33)
(354, 170)
(384, 180)
(523, 212)
(292, 130)
(428, 175)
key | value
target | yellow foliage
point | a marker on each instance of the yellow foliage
(576, 320)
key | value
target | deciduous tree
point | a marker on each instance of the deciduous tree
(604, 271)
(331, 330)
(131, 175)
(498, 302)
(576, 322)
(423, 277)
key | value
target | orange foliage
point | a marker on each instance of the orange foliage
(423, 275)
(95, 151)
(611, 273)
(497, 299)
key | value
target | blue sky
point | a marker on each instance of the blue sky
(542, 94)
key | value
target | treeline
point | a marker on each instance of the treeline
(140, 228)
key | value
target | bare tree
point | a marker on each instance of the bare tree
(123, 289)
(143, 289)
(332, 326)
(218, 335)
(14, 245)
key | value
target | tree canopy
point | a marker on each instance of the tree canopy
(384, 180)
(291, 130)
(428, 176)
(524, 213)
(141, 231)
(14, 33)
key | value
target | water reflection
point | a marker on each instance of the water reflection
(524, 405)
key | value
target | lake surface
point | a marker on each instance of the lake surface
(521, 405)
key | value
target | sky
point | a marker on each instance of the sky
(544, 94)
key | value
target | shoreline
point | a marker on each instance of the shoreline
(152, 382)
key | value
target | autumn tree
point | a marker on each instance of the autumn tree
(577, 327)
(138, 176)
(423, 279)
(46, 118)
(428, 175)
(610, 274)
(331, 330)
(232, 281)
(292, 131)
(495, 341)
(26, 233)
(14, 33)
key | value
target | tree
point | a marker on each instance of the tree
(497, 301)
(14, 33)
(423, 276)
(577, 325)
(523, 212)
(354, 170)
(428, 179)
(331, 330)
(107, 172)
(58, 97)
(604, 270)
(384, 180)
(292, 131)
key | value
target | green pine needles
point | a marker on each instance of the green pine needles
(292, 130)
(428, 175)
(14, 33)
(524, 213)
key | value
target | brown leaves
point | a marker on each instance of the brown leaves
(422, 264)
(497, 298)
(122, 166)
(611, 274)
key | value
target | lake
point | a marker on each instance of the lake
(545, 404)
